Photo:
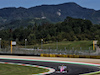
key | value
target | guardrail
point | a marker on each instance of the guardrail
(70, 56)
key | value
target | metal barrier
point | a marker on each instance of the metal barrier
(17, 50)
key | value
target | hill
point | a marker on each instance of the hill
(52, 13)
(70, 29)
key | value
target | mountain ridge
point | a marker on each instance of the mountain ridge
(53, 13)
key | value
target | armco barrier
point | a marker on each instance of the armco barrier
(70, 56)
(52, 55)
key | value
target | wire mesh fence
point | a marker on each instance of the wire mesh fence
(37, 51)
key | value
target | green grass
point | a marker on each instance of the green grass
(8, 69)
(84, 45)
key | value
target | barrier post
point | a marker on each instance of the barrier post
(11, 47)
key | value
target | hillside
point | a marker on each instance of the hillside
(76, 45)
(71, 29)
(52, 13)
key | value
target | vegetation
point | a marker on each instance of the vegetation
(54, 13)
(70, 29)
(7, 69)
(98, 42)
(76, 45)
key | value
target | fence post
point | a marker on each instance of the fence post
(11, 47)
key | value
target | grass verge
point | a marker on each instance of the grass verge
(76, 45)
(9, 69)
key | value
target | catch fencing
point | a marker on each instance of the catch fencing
(32, 51)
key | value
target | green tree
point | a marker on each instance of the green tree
(98, 43)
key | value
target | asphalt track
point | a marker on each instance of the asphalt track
(73, 69)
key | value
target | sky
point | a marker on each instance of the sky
(92, 4)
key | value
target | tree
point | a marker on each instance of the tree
(98, 43)
(4, 44)
(31, 39)
(48, 38)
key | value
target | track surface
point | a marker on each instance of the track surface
(73, 69)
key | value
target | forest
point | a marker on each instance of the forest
(71, 29)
